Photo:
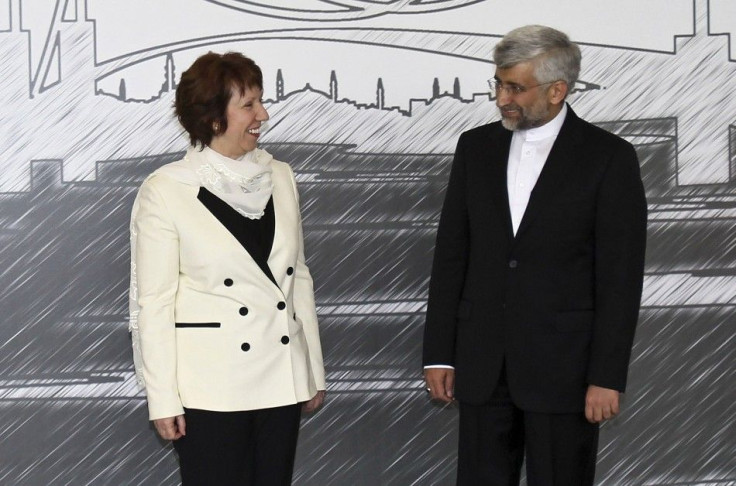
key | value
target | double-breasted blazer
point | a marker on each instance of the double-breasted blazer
(218, 323)
(558, 302)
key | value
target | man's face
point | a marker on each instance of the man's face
(522, 101)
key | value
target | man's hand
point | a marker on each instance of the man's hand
(171, 428)
(440, 383)
(314, 403)
(600, 404)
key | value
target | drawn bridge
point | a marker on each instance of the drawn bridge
(475, 47)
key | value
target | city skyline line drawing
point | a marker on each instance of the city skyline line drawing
(697, 148)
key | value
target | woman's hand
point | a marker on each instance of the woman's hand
(314, 403)
(171, 428)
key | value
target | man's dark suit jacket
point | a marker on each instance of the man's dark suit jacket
(559, 301)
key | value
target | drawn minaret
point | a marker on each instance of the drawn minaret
(122, 90)
(279, 85)
(333, 86)
(436, 89)
(380, 94)
(170, 73)
(456, 89)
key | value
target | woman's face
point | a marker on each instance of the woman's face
(245, 113)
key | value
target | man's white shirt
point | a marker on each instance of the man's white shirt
(529, 151)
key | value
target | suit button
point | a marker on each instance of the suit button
(243, 311)
(289, 270)
(281, 305)
(513, 264)
(245, 346)
(284, 339)
(228, 282)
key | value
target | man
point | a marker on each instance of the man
(537, 275)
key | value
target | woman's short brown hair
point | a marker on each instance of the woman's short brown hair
(205, 89)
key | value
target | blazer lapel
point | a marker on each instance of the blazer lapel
(556, 172)
(498, 175)
(256, 241)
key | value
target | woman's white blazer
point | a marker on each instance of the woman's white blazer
(210, 329)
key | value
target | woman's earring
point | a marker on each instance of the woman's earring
(216, 127)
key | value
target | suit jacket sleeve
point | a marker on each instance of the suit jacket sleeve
(448, 268)
(156, 274)
(304, 304)
(620, 240)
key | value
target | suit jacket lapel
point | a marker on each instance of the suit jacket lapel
(499, 146)
(556, 172)
(242, 228)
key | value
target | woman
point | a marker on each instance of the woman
(223, 319)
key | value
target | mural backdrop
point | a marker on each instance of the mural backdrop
(367, 99)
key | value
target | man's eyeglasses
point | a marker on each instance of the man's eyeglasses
(512, 89)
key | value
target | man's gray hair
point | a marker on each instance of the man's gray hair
(554, 56)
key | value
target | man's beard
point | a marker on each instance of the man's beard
(532, 117)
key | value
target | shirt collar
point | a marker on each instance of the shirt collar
(549, 129)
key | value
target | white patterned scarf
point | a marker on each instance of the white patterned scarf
(244, 184)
